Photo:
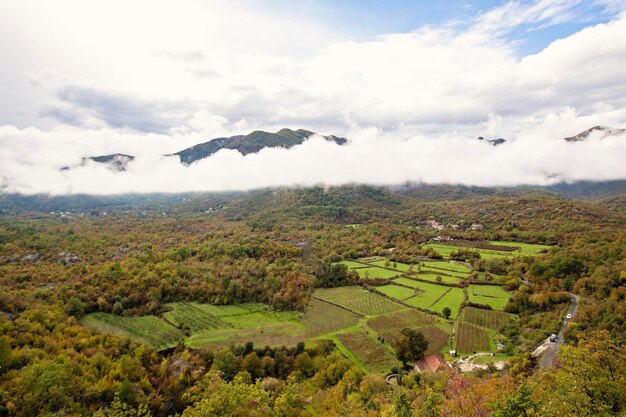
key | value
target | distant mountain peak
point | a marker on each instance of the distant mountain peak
(116, 161)
(251, 143)
(605, 131)
(492, 142)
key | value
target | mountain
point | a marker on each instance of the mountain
(117, 161)
(493, 142)
(251, 143)
(244, 144)
(604, 132)
(588, 190)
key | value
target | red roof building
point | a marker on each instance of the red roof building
(429, 363)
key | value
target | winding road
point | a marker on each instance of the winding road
(547, 351)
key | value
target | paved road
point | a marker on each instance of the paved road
(553, 348)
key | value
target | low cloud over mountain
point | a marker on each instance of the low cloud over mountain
(371, 157)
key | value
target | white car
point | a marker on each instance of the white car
(569, 316)
(553, 338)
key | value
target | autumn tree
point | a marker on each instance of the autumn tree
(410, 345)
(520, 404)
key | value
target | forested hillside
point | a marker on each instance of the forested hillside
(266, 303)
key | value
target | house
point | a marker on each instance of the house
(429, 363)
(442, 238)
(435, 224)
(476, 226)
(453, 226)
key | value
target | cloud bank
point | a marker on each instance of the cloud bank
(371, 157)
(410, 103)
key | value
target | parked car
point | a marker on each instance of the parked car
(553, 338)
(569, 316)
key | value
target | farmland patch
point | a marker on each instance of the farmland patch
(358, 300)
(396, 291)
(492, 295)
(434, 277)
(485, 318)
(470, 338)
(322, 317)
(398, 266)
(452, 299)
(150, 330)
(376, 272)
(369, 352)
(193, 317)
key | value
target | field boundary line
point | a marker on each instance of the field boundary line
(441, 269)
(402, 302)
(440, 297)
(443, 284)
(340, 306)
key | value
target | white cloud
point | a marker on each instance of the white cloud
(149, 78)
(538, 156)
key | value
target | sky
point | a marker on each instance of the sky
(411, 84)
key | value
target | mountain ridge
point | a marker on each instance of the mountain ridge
(251, 143)
(244, 144)
(606, 132)
(286, 138)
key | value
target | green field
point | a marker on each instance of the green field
(194, 317)
(376, 272)
(482, 277)
(285, 333)
(369, 259)
(396, 291)
(231, 309)
(429, 295)
(453, 300)
(486, 318)
(407, 281)
(445, 251)
(322, 317)
(449, 266)
(528, 249)
(358, 300)
(433, 278)
(254, 323)
(371, 353)
(352, 316)
(150, 330)
(352, 264)
(205, 324)
(491, 295)
(525, 249)
(398, 266)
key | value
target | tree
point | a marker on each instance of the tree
(403, 406)
(119, 408)
(5, 355)
(74, 307)
(252, 364)
(225, 362)
(410, 345)
(446, 312)
(304, 364)
(521, 404)
(432, 406)
(47, 387)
